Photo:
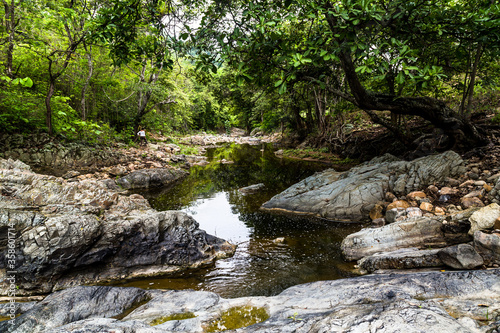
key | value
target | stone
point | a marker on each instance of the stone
(118, 170)
(377, 223)
(451, 181)
(71, 174)
(461, 256)
(484, 218)
(478, 193)
(426, 206)
(487, 187)
(420, 232)
(415, 195)
(150, 178)
(400, 204)
(413, 212)
(467, 183)
(414, 302)
(394, 214)
(448, 191)
(252, 188)
(479, 183)
(377, 212)
(473, 175)
(85, 233)
(407, 258)
(390, 197)
(433, 189)
(350, 195)
(439, 211)
(488, 246)
(471, 202)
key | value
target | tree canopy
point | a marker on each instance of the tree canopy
(85, 66)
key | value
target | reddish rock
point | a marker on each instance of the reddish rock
(398, 204)
(377, 212)
(426, 206)
(416, 195)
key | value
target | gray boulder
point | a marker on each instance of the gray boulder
(386, 303)
(352, 194)
(150, 178)
(421, 232)
(461, 256)
(400, 259)
(68, 234)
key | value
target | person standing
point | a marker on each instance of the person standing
(142, 137)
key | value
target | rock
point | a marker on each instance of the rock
(484, 218)
(71, 174)
(390, 197)
(467, 183)
(488, 246)
(118, 170)
(400, 204)
(473, 175)
(479, 183)
(75, 304)
(252, 188)
(448, 191)
(487, 187)
(473, 194)
(421, 232)
(426, 206)
(451, 182)
(377, 223)
(151, 178)
(471, 202)
(377, 212)
(439, 211)
(416, 195)
(392, 215)
(400, 259)
(83, 233)
(415, 302)
(352, 194)
(433, 189)
(461, 256)
(413, 212)
(279, 152)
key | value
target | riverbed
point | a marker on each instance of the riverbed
(274, 251)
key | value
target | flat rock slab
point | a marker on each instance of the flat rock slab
(414, 302)
(419, 232)
(400, 259)
(349, 196)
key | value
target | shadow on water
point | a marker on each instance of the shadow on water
(274, 251)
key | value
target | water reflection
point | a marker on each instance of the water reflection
(274, 252)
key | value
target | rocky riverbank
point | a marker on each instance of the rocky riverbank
(89, 231)
(445, 302)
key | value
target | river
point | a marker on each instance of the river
(274, 251)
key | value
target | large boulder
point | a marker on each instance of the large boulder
(66, 234)
(352, 194)
(415, 302)
(151, 178)
(421, 233)
(461, 256)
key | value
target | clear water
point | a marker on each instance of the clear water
(262, 264)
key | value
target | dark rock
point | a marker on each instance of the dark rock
(71, 174)
(400, 259)
(461, 256)
(252, 188)
(150, 178)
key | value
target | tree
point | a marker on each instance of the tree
(390, 53)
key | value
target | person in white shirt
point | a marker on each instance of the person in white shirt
(142, 137)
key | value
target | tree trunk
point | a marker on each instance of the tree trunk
(48, 114)
(10, 29)
(87, 81)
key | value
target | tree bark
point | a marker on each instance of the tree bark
(48, 97)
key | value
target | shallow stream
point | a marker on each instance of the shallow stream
(274, 251)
